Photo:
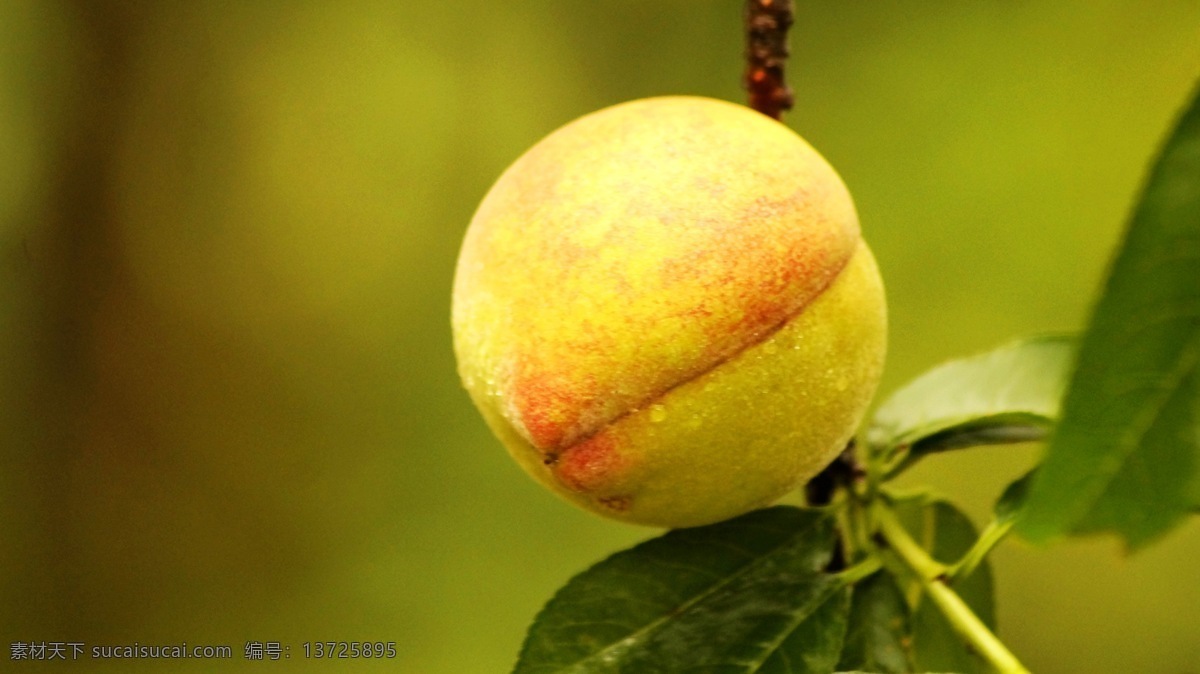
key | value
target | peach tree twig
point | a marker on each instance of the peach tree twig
(767, 23)
(932, 576)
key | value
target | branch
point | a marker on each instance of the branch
(932, 576)
(767, 23)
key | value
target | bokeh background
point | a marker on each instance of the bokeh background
(228, 403)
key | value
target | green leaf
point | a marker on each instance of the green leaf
(947, 534)
(815, 644)
(1008, 506)
(1010, 394)
(879, 637)
(1126, 457)
(744, 596)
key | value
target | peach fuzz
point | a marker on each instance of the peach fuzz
(666, 312)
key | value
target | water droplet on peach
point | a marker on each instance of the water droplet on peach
(658, 413)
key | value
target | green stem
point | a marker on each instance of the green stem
(861, 570)
(893, 470)
(994, 533)
(856, 523)
(932, 575)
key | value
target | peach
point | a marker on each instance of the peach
(666, 312)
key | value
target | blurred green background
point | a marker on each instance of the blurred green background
(228, 403)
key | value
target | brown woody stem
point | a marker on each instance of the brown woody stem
(767, 23)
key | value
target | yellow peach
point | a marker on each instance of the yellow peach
(666, 312)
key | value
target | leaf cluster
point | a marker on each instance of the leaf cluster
(874, 580)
